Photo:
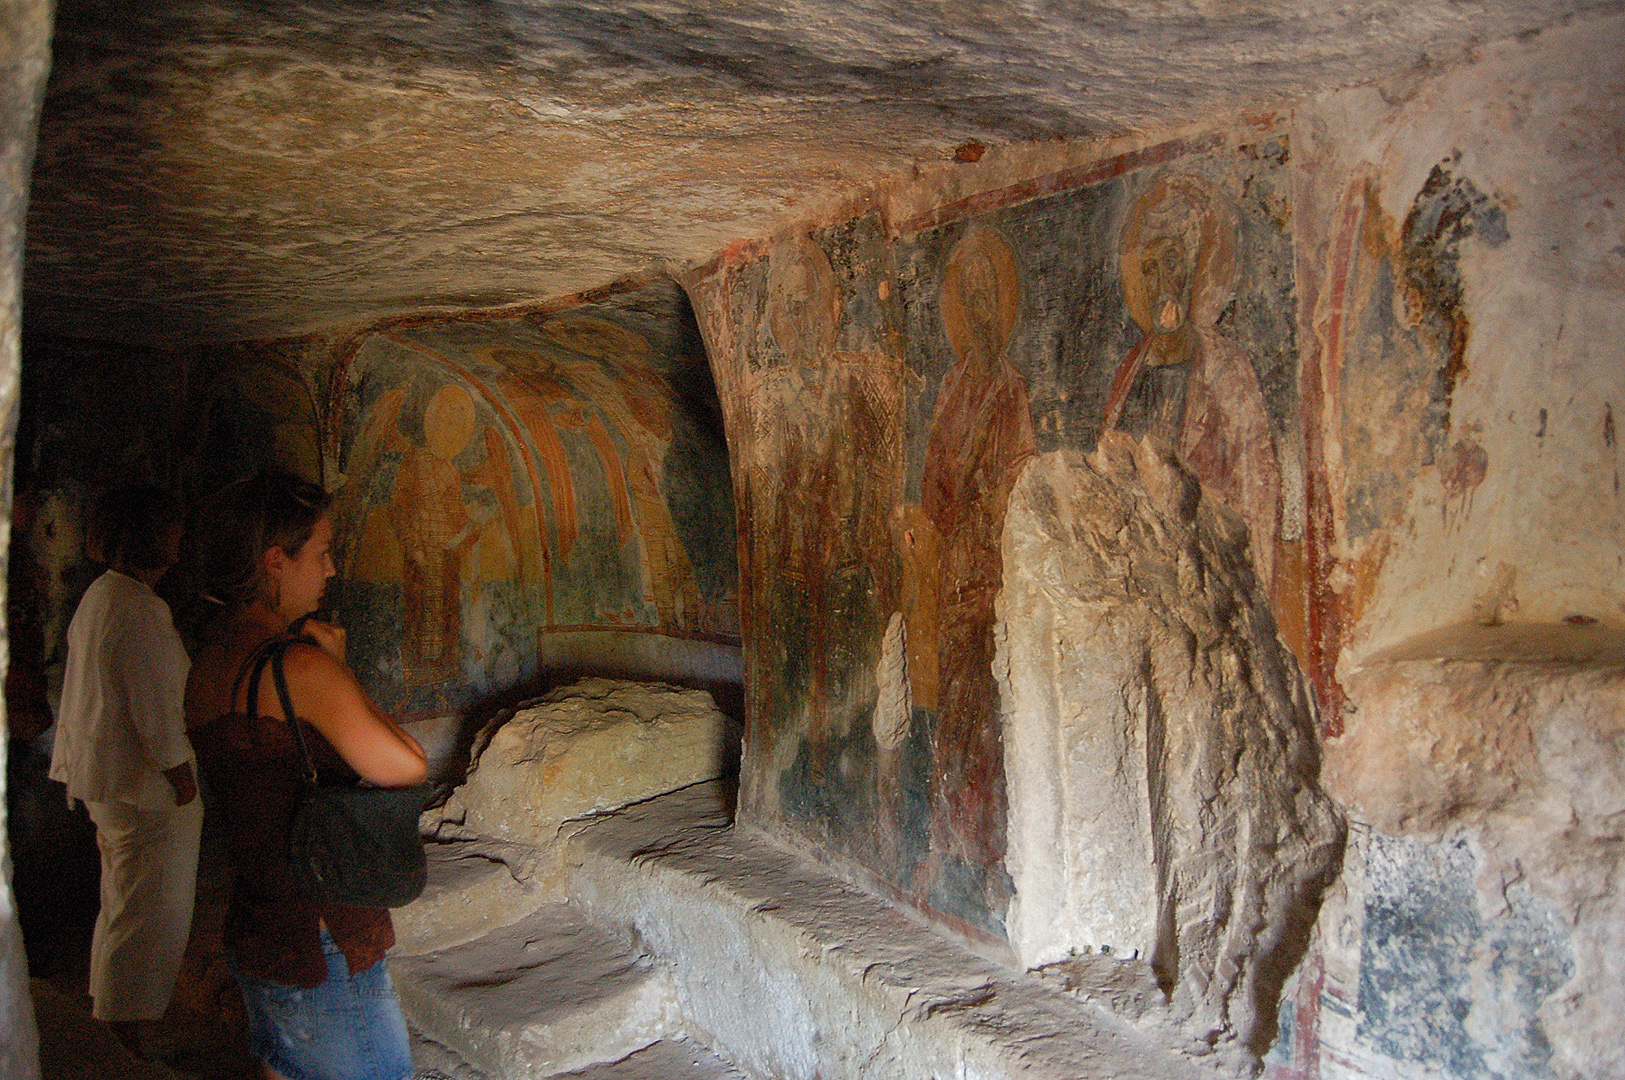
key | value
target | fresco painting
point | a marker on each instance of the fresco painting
(1178, 272)
(255, 411)
(981, 434)
(429, 499)
(642, 405)
(825, 453)
(432, 521)
(886, 390)
(512, 478)
(1391, 332)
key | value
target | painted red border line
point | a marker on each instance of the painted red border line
(1321, 391)
(658, 631)
(1064, 180)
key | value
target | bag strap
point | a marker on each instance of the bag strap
(252, 669)
(280, 677)
(272, 653)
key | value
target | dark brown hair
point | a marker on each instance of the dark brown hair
(131, 527)
(247, 519)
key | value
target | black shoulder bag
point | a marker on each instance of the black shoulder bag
(350, 844)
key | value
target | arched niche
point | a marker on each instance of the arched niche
(531, 496)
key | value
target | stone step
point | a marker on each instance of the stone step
(475, 886)
(552, 994)
(668, 1059)
(790, 972)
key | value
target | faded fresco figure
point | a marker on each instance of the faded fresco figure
(826, 427)
(367, 504)
(980, 436)
(430, 517)
(638, 405)
(511, 483)
(796, 432)
(1197, 393)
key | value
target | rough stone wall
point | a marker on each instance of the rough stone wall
(238, 170)
(1161, 749)
(1460, 247)
(1485, 927)
(1375, 326)
(24, 58)
(884, 380)
(1460, 253)
(85, 425)
(506, 482)
(1380, 327)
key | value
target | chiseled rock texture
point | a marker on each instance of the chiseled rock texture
(543, 996)
(1483, 915)
(792, 973)
(233, 169)
(1160, 754)
(25, 53)
(584, 749)
(475, 884)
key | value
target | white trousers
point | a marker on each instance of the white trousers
(149, 878)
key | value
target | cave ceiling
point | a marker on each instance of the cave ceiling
(234, 169)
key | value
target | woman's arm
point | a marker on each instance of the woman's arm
(185, 784)
(326, 693)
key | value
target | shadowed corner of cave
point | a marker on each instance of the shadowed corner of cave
(1009, 543)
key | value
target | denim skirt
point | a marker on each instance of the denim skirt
(348, 1028)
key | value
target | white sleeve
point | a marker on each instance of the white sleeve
(153, 665)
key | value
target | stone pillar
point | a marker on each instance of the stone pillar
(25, 27)
(1161, 761)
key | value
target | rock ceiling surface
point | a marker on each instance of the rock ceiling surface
(224, 169)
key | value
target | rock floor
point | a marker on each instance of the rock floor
(689, 948)
(686, 950)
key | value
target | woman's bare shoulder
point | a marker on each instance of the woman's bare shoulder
(306, 661)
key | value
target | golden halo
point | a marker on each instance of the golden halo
(980, 286)
(803, 300)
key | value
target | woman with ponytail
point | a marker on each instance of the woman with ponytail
(319, 1000)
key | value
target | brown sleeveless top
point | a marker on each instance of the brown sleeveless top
(250, 768)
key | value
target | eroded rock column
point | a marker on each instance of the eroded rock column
(1162, 767)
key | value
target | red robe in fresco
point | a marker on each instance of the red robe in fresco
(980, 436)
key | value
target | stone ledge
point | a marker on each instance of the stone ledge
(1466, 722)
(475, 886)
(550, 994)
(791, 973)
(1584, 645)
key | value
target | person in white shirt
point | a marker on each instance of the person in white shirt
(121, 749)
